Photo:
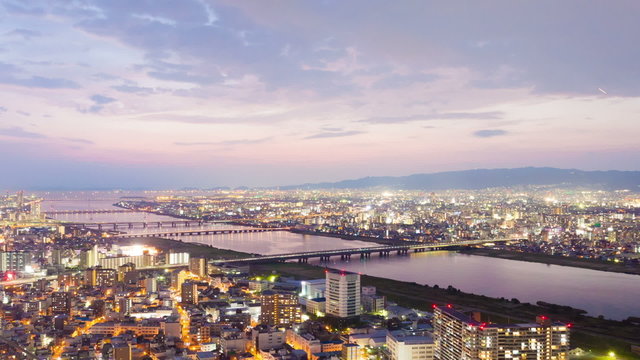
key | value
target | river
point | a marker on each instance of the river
(613, 295)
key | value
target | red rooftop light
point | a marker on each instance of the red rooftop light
(449, 306)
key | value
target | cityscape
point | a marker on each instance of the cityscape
(320, 180)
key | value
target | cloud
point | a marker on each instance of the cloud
(396, 81)
(444, 116)
(18, 132)
(133, 89)
(155, 19)
(79, 141)
(101, 99)
(3, 109)
(23, 113)
(226, 142)
(203, 119)
(333, 134)
(24, 33)
(487, 133)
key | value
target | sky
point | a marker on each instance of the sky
(160, 94)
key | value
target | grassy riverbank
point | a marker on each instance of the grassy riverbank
(555, 260)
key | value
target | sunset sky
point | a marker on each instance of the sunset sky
(227, 93)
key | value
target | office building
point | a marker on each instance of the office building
(279, 308)
(458, 336)
(342, 293)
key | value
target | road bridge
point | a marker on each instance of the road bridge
(365, 252)
(115, 225)
(94, 211)
(201, 232)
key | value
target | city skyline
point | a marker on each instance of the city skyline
(219, 93)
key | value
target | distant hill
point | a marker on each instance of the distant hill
(487, 178)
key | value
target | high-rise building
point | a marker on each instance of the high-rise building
(342, 293)
(124, 305)
(14, 260)
(410, 347)
(89, 258)
(279, 308)
(198, 266)
(178, 277)
(458, 336)
(189, 292)
(151, 285)
(61, 303)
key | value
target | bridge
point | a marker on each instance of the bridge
(383, 251)
(201, 232)
(115, 225)
(95, 211)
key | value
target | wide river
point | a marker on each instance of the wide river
(600, 293)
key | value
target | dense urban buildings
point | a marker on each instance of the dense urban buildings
(83, 291)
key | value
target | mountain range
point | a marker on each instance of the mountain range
(488, 178)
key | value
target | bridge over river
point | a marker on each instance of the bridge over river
(385, 250)
(200, 232)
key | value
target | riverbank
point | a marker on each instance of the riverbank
(554, 260)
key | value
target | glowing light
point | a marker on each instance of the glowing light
(137, 250)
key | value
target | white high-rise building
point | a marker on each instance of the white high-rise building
(410, 347)
(342, 293)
